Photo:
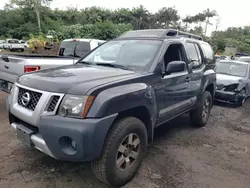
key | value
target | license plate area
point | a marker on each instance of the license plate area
(5, 86)
(24, 134)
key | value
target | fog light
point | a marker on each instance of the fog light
(68, 145)
(73, 144)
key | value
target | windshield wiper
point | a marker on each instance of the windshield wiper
(85, 62)
(112, 65)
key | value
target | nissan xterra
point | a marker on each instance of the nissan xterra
(105, 107)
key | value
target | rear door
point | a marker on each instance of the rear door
(197, 67)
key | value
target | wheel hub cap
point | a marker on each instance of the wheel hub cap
(128, 151)
(205, 109)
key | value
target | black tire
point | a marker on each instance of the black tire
(106, 169)
(197, 117)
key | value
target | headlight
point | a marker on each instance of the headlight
(232, 87)
(75, 106)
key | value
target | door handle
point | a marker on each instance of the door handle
(7, 67)
(188, 79)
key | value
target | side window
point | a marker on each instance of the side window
(208, 52)
(175, 52)
(194, 54)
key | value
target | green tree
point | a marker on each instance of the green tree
(36, 5)
(187, 21)
(141, 15)
(167, 17)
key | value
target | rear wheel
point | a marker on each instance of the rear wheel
(200, 115)
(123, 152)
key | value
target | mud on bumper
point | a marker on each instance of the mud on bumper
(65, 138)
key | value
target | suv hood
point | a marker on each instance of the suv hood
(227, 79)
(73, 79)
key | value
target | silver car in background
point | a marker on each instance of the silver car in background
(233, 81)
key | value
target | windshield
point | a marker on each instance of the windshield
(232, 68)
(132, 54)
(74, 48)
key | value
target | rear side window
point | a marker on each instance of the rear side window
(194, 54)
(82, 48)
(73, 48)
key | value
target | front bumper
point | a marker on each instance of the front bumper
(54, 134)
(229, 96)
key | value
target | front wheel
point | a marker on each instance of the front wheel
(123, 152)
(200, 115)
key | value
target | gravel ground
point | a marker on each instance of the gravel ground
(215, 156)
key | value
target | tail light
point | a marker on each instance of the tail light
(30, 68)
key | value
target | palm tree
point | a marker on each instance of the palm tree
(208, 14)
(35, 4)
(141, 14)
(187, 20)
(167, 16)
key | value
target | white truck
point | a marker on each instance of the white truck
(13, 45)
(14, 65)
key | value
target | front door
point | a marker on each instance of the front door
(172, 89)
(197, 66)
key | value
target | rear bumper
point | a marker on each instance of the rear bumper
(228, 96)
(55, 135)
(5, 86)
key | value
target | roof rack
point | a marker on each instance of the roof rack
(158, 33)
(175, 32)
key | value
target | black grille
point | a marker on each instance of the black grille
(53, 103)
(34, 98)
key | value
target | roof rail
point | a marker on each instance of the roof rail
(175, 32)
(158, 33)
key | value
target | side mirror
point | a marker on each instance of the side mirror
(175, 66)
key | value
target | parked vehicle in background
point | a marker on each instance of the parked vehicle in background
(233, 81)
(48, 45)
(240, 54)
(104, 108)
(2, 44)
(13, 45)
(78, 47)
(222, 57)
(244, 59)
(14, 65)
(25, 43)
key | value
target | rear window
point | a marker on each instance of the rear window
(71, 48)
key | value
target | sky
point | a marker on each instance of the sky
(234, 13)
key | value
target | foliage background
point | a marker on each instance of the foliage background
(25, 19)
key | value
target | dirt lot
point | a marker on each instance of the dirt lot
(216, 156)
